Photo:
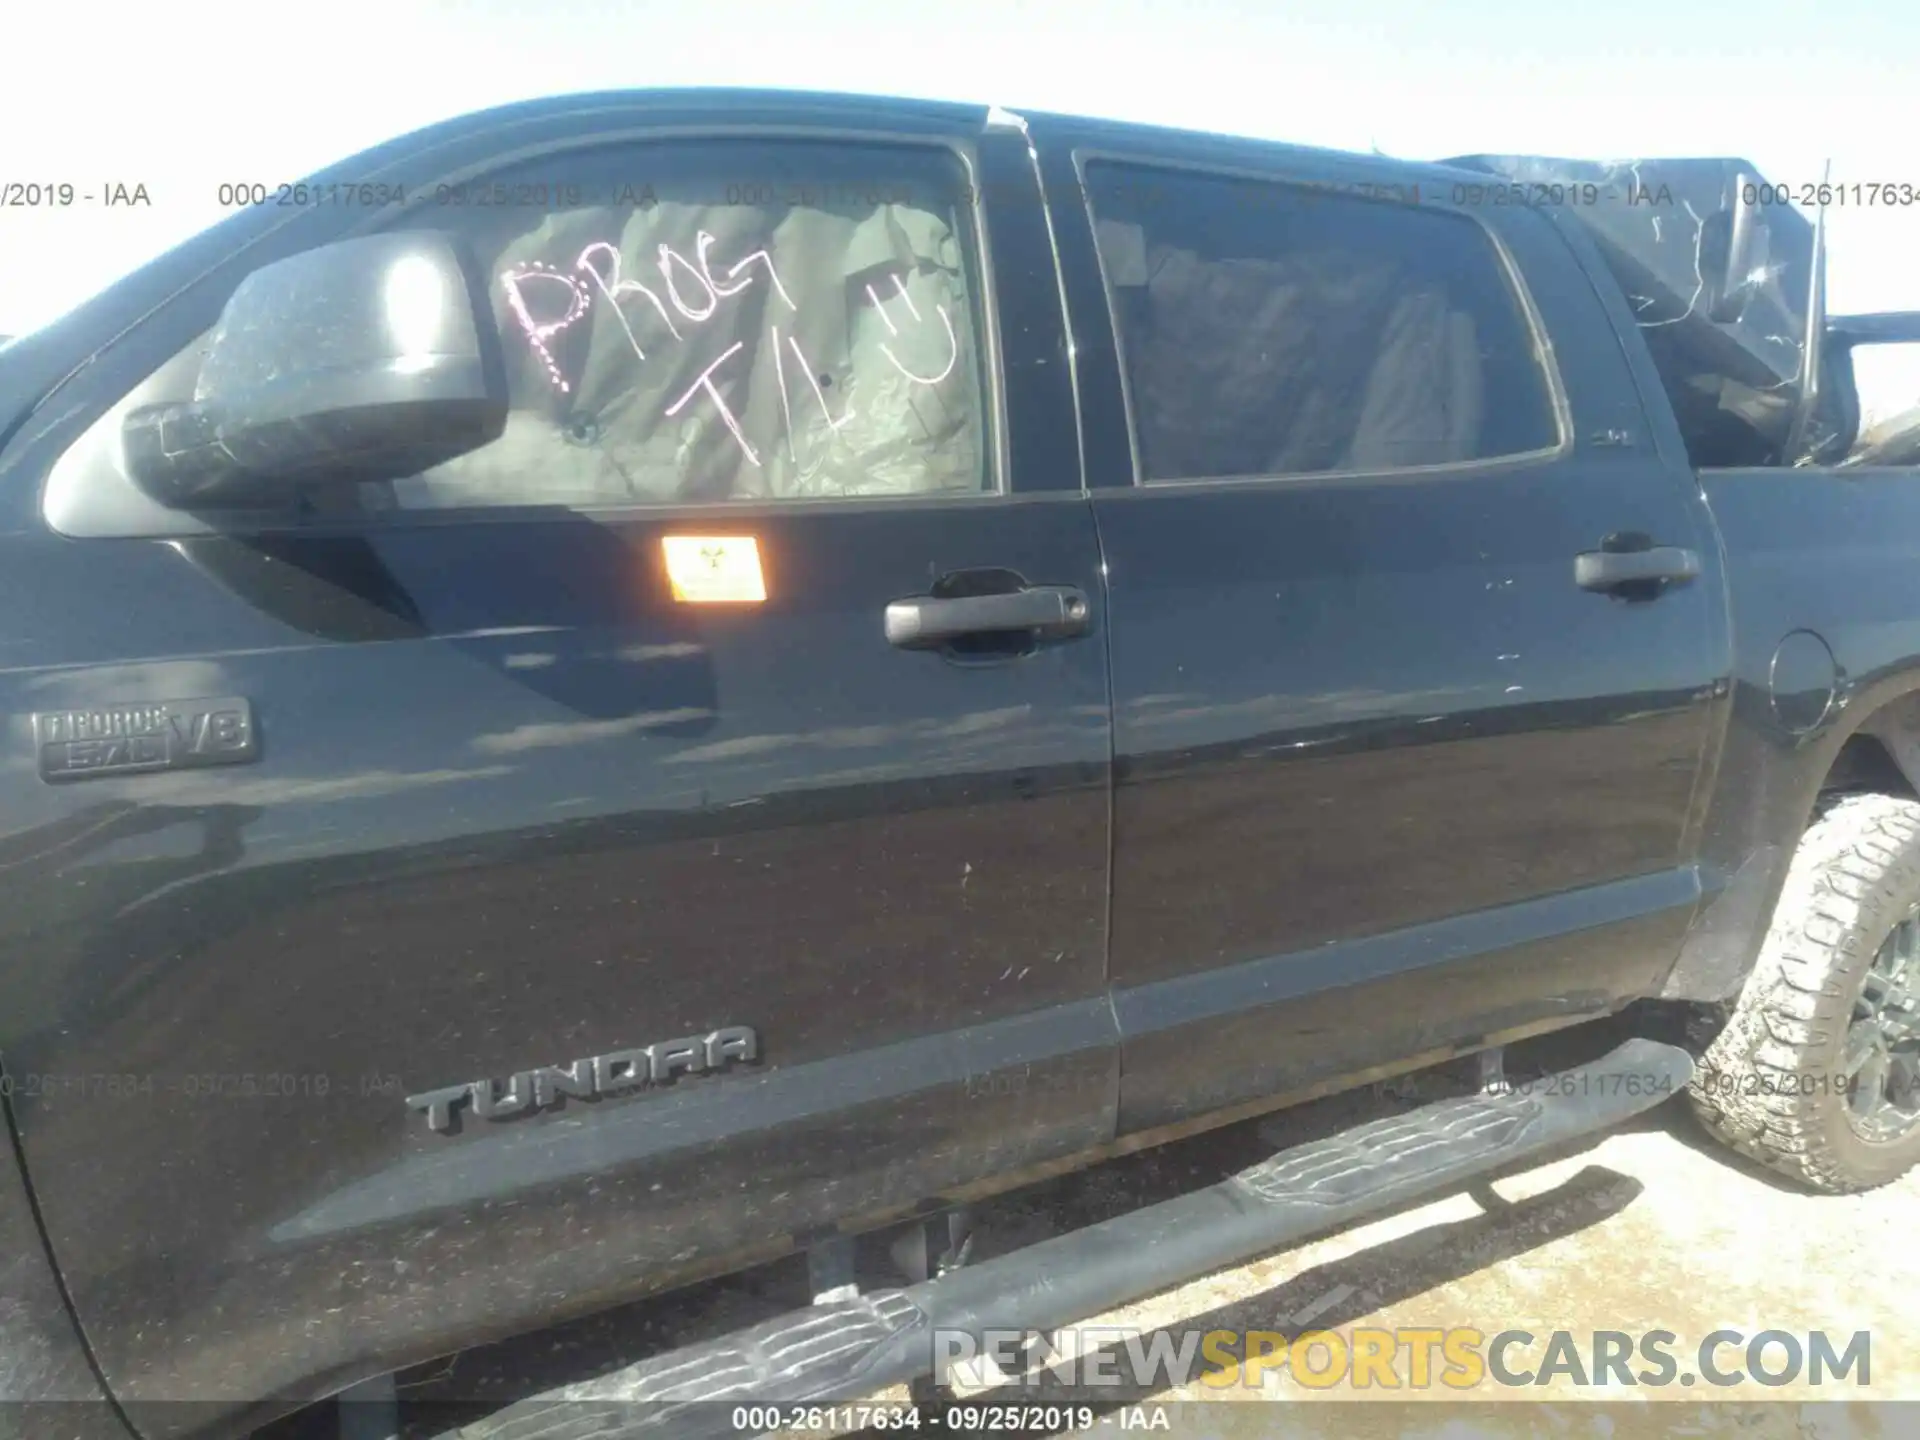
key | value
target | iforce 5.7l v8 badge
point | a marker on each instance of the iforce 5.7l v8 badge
(135, 739)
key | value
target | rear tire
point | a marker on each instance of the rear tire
(1817, 1072)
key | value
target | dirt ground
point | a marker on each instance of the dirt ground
(1647, 1228)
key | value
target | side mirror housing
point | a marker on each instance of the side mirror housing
(369, 359)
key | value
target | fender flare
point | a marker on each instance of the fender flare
(1731, 923)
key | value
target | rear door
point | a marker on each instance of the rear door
(597, 739)
(1390, 780)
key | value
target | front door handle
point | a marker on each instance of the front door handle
(1607, 570)
(1055, 611)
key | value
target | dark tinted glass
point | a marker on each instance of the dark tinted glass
(1270, 330)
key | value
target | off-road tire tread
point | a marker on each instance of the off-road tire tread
(1763, 1084)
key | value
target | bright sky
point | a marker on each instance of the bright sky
(184, 96)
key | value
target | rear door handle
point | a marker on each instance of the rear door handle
(1612, 569)
(1051, 610)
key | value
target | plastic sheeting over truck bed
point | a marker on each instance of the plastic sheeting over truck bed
(1665, 228)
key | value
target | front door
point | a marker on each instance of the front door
(704, 744)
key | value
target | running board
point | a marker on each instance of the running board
(847, 1349)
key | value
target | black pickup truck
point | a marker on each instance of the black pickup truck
(635, 684)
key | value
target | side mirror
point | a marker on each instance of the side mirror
(370, 359)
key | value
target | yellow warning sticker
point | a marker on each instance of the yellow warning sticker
(709, 569)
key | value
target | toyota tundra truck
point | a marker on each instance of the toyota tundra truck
(636, 684)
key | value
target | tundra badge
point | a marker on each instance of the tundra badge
(132, 739)
(591, 1077)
